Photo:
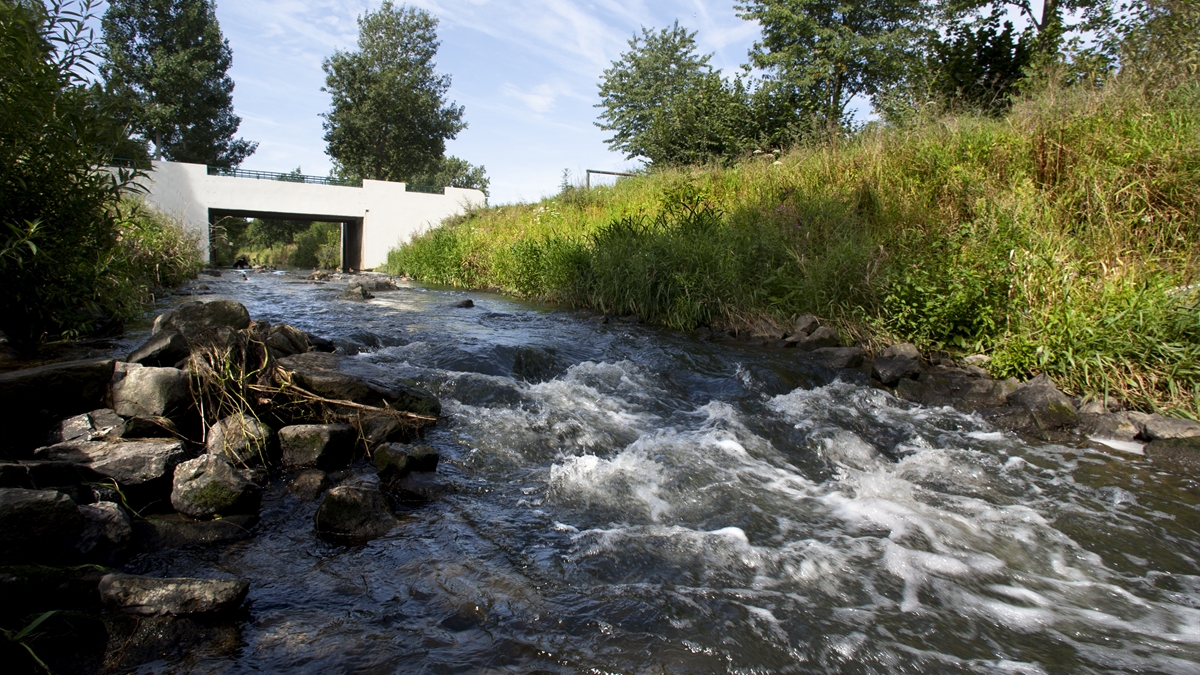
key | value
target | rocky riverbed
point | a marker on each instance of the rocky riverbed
(181, 445)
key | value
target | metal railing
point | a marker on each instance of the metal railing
(284, 177)
(604, 173)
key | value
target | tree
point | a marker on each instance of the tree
(980, 64)
(454, 172)
(169, 57)
(819, 54)
(389, 119)
(663, 101)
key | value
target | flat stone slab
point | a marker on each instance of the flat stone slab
(340, 378)
(150, 596)
(127, 462)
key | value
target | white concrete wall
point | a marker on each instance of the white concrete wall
(390, 214)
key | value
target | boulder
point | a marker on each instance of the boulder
(169, 531)
(145, 391)
(392, 461)
(371, 282)
(806, 324)
(129, 463)
(208, 486)
(45, 475)
(326, 446)
(764, 330)
(902, 350)
(381, 428)
(835, 358)
(890, 370)
(1111, 426)
(34, 399)
(953, 387)
(1050, 408)
(165, 349)
(355, 513)
(821, 338)
(242, 439)
(418, 488)
(979, 360)
(356, 293)
(1181, 455)
(464, 304)
(1158, 427)
(106, 532)
(284, 340)
(99, 425)
(150, 596)
(339, 377)
(199, 320)
(150, 427)
(37, 526)
(309, 484)
(976, 371)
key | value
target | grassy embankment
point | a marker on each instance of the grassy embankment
(1060, 239)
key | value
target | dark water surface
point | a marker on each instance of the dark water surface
(630, 500)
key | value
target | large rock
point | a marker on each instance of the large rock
(164, 349)
(902, 350)
(953, 387)
(1112, 426)
(309, 484)
(150, 596)
(129, 463)
(242, 439)
(396, 460)
(1050, 408)
(99, 425)
(354, 513)
(34, 399)
(341, 378)
(37, 525)
(418, 488)
(1158, 427)
(1181, 455)
(208, 486)
(891, 370)
(174, 531)
(821, 338)
(765, 330)
(356, 293)
(835, 358)
(325, 446)
(284, 340)
(199, 320)
(106, 532)
(142, 391)
(371, 282)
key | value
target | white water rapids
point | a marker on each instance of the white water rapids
(629, 500)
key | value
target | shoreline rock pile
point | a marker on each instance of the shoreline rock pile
(174, 447)
(1036, 408)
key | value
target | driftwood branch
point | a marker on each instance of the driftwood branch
(309, 396)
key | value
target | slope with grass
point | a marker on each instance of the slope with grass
(1060, 239)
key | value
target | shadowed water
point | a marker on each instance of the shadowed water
(630, 500)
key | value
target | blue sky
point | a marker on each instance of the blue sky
(527, 73)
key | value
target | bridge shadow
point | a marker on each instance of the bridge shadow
(352, 229)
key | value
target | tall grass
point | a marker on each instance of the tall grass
(1060, 239)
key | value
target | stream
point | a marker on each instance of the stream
(629, 499)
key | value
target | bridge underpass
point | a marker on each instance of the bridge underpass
(376, 216)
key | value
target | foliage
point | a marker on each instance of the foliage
(170, 58)
(454, 172)
(1061, 238)
(59, 226)
(664, 103)
(821, 53)
(389, 119)
(979, 65)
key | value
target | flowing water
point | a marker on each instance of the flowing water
(631, 500)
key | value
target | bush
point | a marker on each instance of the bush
(59, 222)
(1063, 238)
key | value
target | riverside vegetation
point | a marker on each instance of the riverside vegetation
(1061, 238)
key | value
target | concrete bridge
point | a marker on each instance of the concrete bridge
(375, 217)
